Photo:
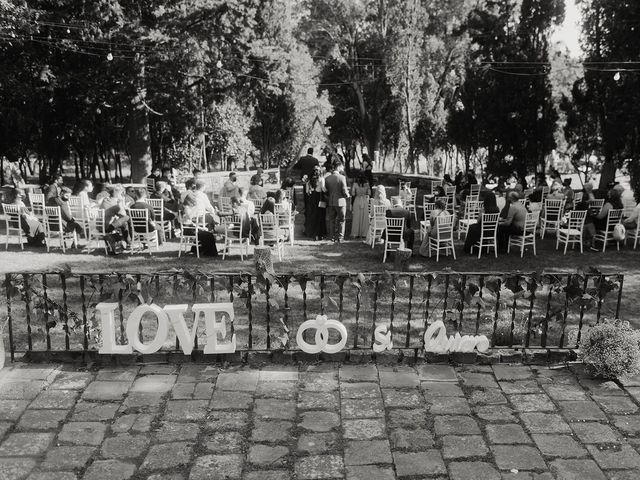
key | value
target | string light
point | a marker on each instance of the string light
(616, 77)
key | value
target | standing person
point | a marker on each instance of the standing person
(360, 191)
(367, 168)
(307, 163)
(337, 194)
(316, 207)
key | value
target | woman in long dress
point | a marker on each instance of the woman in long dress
(360, 191)
(315, 215)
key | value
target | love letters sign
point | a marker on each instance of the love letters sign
(214, 321)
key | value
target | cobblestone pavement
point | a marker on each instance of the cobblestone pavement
(327, 421)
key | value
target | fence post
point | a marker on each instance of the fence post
(12, 347)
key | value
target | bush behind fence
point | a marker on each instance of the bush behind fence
(56, 311)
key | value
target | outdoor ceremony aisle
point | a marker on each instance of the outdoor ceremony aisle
(311, 422)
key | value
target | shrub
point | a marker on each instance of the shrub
(611, 349)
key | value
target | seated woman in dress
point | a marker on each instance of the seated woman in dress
(31, 226)
(599, 221)
(380, 197)
(256, 190)
(489, 205)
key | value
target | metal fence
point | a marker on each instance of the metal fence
(55, 312)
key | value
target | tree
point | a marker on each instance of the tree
(608, 96)
(506, 103)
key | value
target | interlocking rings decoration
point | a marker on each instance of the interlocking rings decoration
(322, 326)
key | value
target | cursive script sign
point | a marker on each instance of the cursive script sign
(383, 340)
(214, 320)
(436, 341)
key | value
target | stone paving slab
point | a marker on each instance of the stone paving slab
(324, 421)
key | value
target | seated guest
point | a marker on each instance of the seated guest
(230, 187)
(599, 221)
(256, 190)
(115, 216)
(30, 224)
(129, 196)
(568, 194)
(399, 212)
(196, 174)
(268, 206)
(188, 214)
(380, 197)
(156, 174)
(439, 210)
(83, 189)
(140, 196)
(69, 223)
(514, 216)
(202, 199)
(489, 205)
(55, 186)
(587, 191)
(189, 186)
(446, 180)
(169, 179)
(163, 192)
(243, 203)
(257, 179)
(105, 188)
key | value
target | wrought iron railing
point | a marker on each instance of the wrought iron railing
(55, 312)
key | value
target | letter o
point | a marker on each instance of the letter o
(133, 324)
(336, 347)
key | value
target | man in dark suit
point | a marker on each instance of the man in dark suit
(54, 189)
(398, 211)
(307, 163)
(69, 223)
(337, 194)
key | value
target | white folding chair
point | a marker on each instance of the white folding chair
(470, 217)
(79, 213)
(53, 226)
(97, 227)
(488, 234)
(141, 232)
(577, 197)
(544, 193)
(528, 236)
(435, 184)
(285, 219)
(410, 202)
(158, 215)
(442, 238)
(474, 192)
(36, 200)
(13, 223)
(635, 235)
(233, 234)
(613, 218)
(551, 215)
(377, 223)
(394, 229)
(189, 234)
(257, 202)
(595, 205)
(225, 205)
(450, 192)
(271, 233)
(151, 186)
(424, 224)
(572, 232)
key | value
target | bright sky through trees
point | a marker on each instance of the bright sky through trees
(569, 33)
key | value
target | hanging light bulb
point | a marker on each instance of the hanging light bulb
(219, 64)
(109, 56)
(616, 77)
(68, 31)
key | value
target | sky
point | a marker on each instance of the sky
(569, 32)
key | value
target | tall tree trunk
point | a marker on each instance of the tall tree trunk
(139, 136)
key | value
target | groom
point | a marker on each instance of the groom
(337, 194)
